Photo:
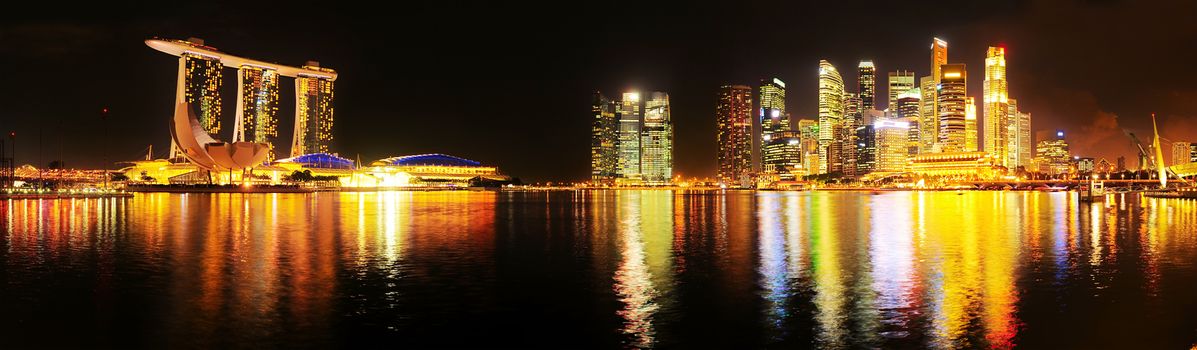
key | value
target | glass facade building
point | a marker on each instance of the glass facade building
(656, 141)
(951, 107)
(899, 83)
(831, 117)
(996, 109)
(604, 141)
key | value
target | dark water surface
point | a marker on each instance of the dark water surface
(601, 269)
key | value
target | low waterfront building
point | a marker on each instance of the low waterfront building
(970, 165)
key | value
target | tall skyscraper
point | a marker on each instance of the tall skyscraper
(970, 125)
(202, 88)
(773, 120)
(630, 122)
(893, 139)
(907, 111)
(604, 141)
(258, 115)
(996, 108)
(866, 80)
(939, 57)
(950, 105)
(928, 120)
(899, 83)
(313, 113)
(865, 150)
(1020, 143)
(656, 140)
(847, 136)
(808, 130)
(831, 116)
(733, 114)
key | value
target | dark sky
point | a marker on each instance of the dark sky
(509, 84)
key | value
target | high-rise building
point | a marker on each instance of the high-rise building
(970, 125)
(1019, 136)
(853, 117)
(892, 139)
(1182, 153)
(631, 120)
(831, 116)
(772, 107)
(313, 113)
(656, 141)
(939, 57)
(996, 110)
(808, 130)
(928, 120)
(1053, 156)
(733, 114)
(257, 118)
(950, 105)
(781, 156)
(906, 110)
(865, 154)
(866, 80)
(899, 82)
(604, 141)
(202, 88)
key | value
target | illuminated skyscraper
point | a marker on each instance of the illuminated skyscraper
(892, 139)
(733, 113)
(1019, 145)
(864, 159)
(808, 130)
(831, 116)
(939, 57)
(257, 119)
(867, 85)
(928, 120)
(772, 107)
(996, 109)
(907, 111)
(656, 141)
(970, 125)
(847, 136)
(630, 122)
(604, 141)
(781, 156)
(313, 113)
(899, 83)
(1053, 155)
(951, 105)
(202, 83)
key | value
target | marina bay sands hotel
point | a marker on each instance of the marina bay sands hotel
(199, 82)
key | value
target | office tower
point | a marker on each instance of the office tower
(939, 57)
(893, 140)
(847, 137)
(772, 107)
(630, 122)
(604, 141)
(928, 120)
(1084, 164)
(950, 105)
(1053, 155)
(781, 156)
(831, 115)
(733, 114)
(808, 130)
(996, 109)
(865, 146)
(1181, 153)
(313, 113)
(866, 80)
(656, 140)
(1019, 145)
(906, 110)
(970, 125)
(257, 119)
(899, 83)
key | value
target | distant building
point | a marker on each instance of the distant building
(1182, 153)
(928, 120)
(1085, 165)
(1053, 155)
(656, 140)
(900, 82)
(1019, 137)
(866, 149)
(604, 140)
(808, 130)
(970, 126)
(781, 156)
(1121, 166)
(893, 142)
(907, 110)
(733, 113)
(866, 79)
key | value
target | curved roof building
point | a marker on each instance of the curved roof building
(432, 159)
(319, 161)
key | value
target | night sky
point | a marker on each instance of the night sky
(510, 84)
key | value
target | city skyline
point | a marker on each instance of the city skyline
(1055, 80)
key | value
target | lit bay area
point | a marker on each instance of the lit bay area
(600, 269)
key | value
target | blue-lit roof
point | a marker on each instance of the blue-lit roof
(436, 159)
(320, 160)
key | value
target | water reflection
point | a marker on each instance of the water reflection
(634, 269)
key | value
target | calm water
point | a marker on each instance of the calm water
(604, 269)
